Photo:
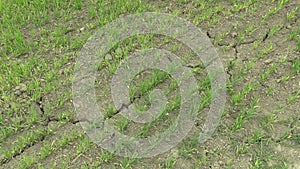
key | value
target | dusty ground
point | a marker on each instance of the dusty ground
(260, 127)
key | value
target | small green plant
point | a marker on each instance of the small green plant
(219, 38)
(170, 163)
(296, 67)
(256, 43)
(268, 121)
(291, 15)
(241, 37)
(26, 162)
(267, 73)
(111, 110)
(270, 90)
(122, 123)
(241, 95)
(295, 35)
(189, 147)
(126, 163)
(274, 29)
(284, 79)
(144, 132)
(250, 29)
(294, 97)
(274, 10)
(106, 156)
(244, 115)
(242, 149)
(266, 50)
(6, 131)
(232, 63)
(46, 150)
(84, 144)
(64, 117)
(78, 4)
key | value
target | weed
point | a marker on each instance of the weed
(274, 10)
(291, 15)
(219, 38)
(296, 67)
(245, 115)
(84, 144)
(250, 29)
(241, 95)
(266, 50)
(45, 151)
(106, 156)
(110, 111)
(170, 163)
(122, 123)
(189, 147)
(270, 90)
(295, 35)
(26, 162)
(267, 72)
(294, 97)
(127, 162)
(274, 29)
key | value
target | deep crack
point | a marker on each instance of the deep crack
(40, 105)
(266, 35)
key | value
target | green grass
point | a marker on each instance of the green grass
(244, 115)
(295, 35)
(170, 163)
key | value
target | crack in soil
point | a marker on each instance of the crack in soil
(266, 35)
(26, 146)
(41, 107)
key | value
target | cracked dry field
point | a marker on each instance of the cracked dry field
(258, 43)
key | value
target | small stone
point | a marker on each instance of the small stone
(278, 148)
(21, 87)
(18, 93)
(17, 87)
(53, 125)
(175, 153)
(81, 29)
(108, 57)
(268, 61)
(288, 26)
(61, 71)
(234, 34)
(23, 101)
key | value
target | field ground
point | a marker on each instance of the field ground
(257, 41)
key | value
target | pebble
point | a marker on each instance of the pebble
(18, 93)
(108, 57)
(53, 125)
(175, 152)
(268, 61)
(21, 87)
(18, 90)
(234, 34)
